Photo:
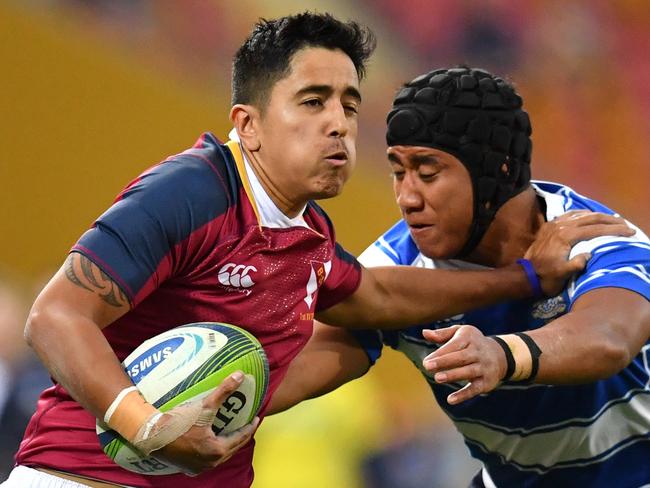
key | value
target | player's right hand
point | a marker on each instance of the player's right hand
(465, 355)
(200, 449)
(550, 251)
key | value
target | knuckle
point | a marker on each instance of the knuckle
(468, 356)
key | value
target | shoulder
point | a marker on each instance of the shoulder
(199, 180)
(616, 262)
(318, 220)
(561, 199)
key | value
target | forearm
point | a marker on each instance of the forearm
(401, 295)
(77, 355)
(604, 331)
(598, 338)
(301, 383)
(331, 358)
(571, 357)
(443, 293)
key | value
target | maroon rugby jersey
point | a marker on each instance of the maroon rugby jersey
(186, 244)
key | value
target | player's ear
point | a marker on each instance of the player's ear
(245, 120)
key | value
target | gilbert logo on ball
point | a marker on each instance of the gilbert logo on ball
(187, 363)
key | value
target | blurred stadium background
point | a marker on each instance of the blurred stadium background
(92, 92)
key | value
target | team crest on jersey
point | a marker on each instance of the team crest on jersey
(318, 274)
(548, 309)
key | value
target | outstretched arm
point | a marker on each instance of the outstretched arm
(606, 328)
(395, 296)
(331, 358)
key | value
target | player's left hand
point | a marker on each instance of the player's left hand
(466, 355)
(555, 239)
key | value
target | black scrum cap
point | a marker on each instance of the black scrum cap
(479, 119)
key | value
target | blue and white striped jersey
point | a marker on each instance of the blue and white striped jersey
(595, 435)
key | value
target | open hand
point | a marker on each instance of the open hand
(466, 355)
(550, 251)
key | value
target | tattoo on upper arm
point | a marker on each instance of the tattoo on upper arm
(94, 280)
(111, 297)
(69, 272)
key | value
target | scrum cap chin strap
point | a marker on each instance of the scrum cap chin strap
(476, 117)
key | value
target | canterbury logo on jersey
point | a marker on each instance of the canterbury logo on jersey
(236, 275)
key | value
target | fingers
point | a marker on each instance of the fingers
(455, 338)
(216, 450)
(578, 263)
(440, 335)
(573, 215)
(214, 400)
(225, 445)
(241, 436)
(199, 448)
(434, 362)
(586, 217)
(591, 231)
(580, 225)
(469, 372)
(470, 390)
(467, 356)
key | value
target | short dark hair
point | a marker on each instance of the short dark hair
(264, 57)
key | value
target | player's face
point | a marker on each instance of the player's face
(434, 192)
(309, 127)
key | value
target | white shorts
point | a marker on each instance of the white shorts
(24, 477)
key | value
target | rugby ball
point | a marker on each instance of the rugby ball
(187, 363)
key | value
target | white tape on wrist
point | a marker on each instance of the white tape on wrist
(149, 425)
(155, 434)
(118, 399)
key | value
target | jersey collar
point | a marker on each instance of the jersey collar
(267, 212)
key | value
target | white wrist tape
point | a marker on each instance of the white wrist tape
(161, 429)
(129, 412)
(149, 429)
(118, 399)
(148, 426)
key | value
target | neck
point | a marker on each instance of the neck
(512, 231)
(288, 206)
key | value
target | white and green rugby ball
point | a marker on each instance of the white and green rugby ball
(187, 363)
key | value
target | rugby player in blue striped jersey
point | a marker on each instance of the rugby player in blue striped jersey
(547, 392)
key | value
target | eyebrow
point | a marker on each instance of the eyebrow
(394, 159)
(425, 159)
(416, 159)
(327, 90)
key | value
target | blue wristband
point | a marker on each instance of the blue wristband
(533, 279)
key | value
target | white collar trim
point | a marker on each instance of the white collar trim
(270, 215)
